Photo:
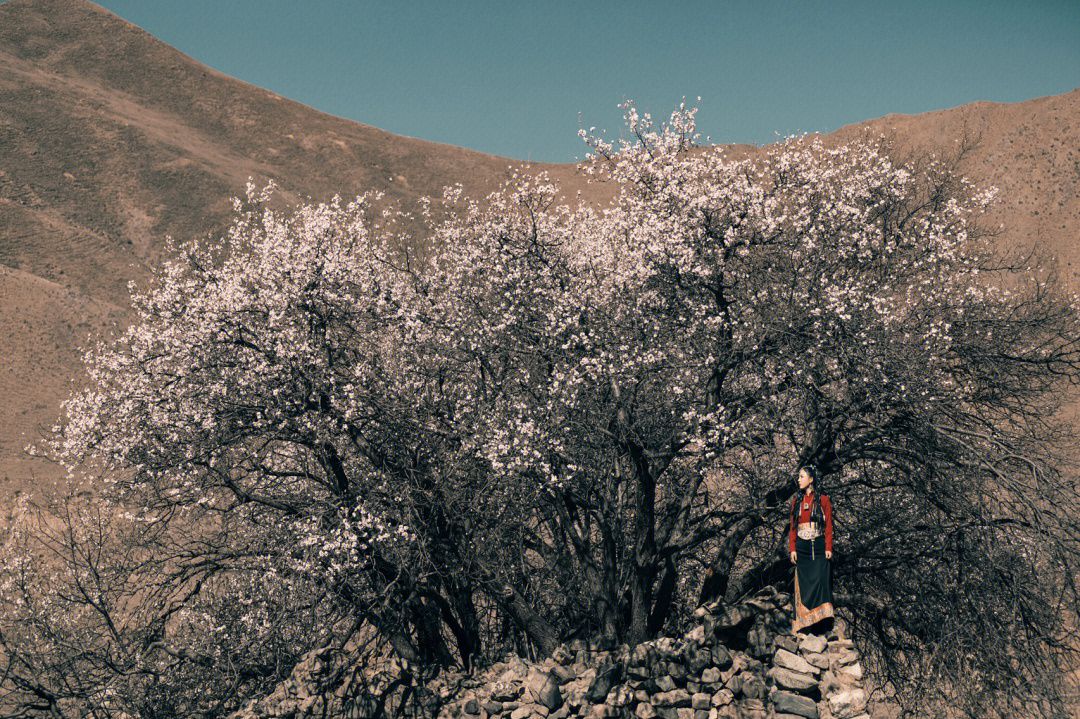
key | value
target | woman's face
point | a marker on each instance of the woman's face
(804, 479)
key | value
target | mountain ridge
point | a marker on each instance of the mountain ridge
(110, 139)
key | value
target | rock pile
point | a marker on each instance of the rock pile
(735, 662)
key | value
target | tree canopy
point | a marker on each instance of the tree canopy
(561, 420)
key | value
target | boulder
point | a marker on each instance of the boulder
(721, 657)
(562, 655)
(645, 710)
(665, 684)
(492, 707)
(545, 686)
(821, 661)
(847, 656)
(722, 698)
(701, 701)
(759, 640)
(471, 707)
(607, 675)
(753, 687)
(503, 691)
(620, 696)
(785, 642)
(847, 704)
(787, 660)
(788, 703)
(710, 675)
(697, 634)
(812, 644)
(794, 681)
(563, 674)
(853, 670)
(675, 698)
(696, 658)
(603, 711)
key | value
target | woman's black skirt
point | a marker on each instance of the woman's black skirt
(813, 584)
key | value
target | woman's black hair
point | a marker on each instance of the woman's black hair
(815, 510)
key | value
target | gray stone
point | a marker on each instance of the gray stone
(677, 670)
(821, 661)
(472, 707)
(721, 658)
(696, 659)
(753, 687)
(853, 670)
(645, 710)
(675, 698)
(608, 674)
(847, 704)
(735, 684)
(684, 713)
(702, 713)
(493, 707)
(788, 703)
(693, 686)
(667, 712)
(563, 674)
(760, 640)
(696, 634)
(560, 713)
(665, 683)
(812, 644)
(722, 698)
(562, 655)
(847, 656)
(603, 711)
(546, 688)
(752, 709)
(620, 696)
(795, 681)
(785, 642)
(641, 695)
(830, 682)
(523, 711)
(700, 701)
(787, 660)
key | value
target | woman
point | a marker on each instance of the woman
(810, 544)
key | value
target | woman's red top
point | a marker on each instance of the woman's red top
(804, 516)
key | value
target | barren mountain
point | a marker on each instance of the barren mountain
(111, 139)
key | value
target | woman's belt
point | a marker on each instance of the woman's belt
(809, 530)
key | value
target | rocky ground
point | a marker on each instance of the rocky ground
(736, 662)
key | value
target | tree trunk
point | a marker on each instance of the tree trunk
(644, 568)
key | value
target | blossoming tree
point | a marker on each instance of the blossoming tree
(561, 419)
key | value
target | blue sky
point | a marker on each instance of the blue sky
(510, 77)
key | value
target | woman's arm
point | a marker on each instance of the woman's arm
(792, 527)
